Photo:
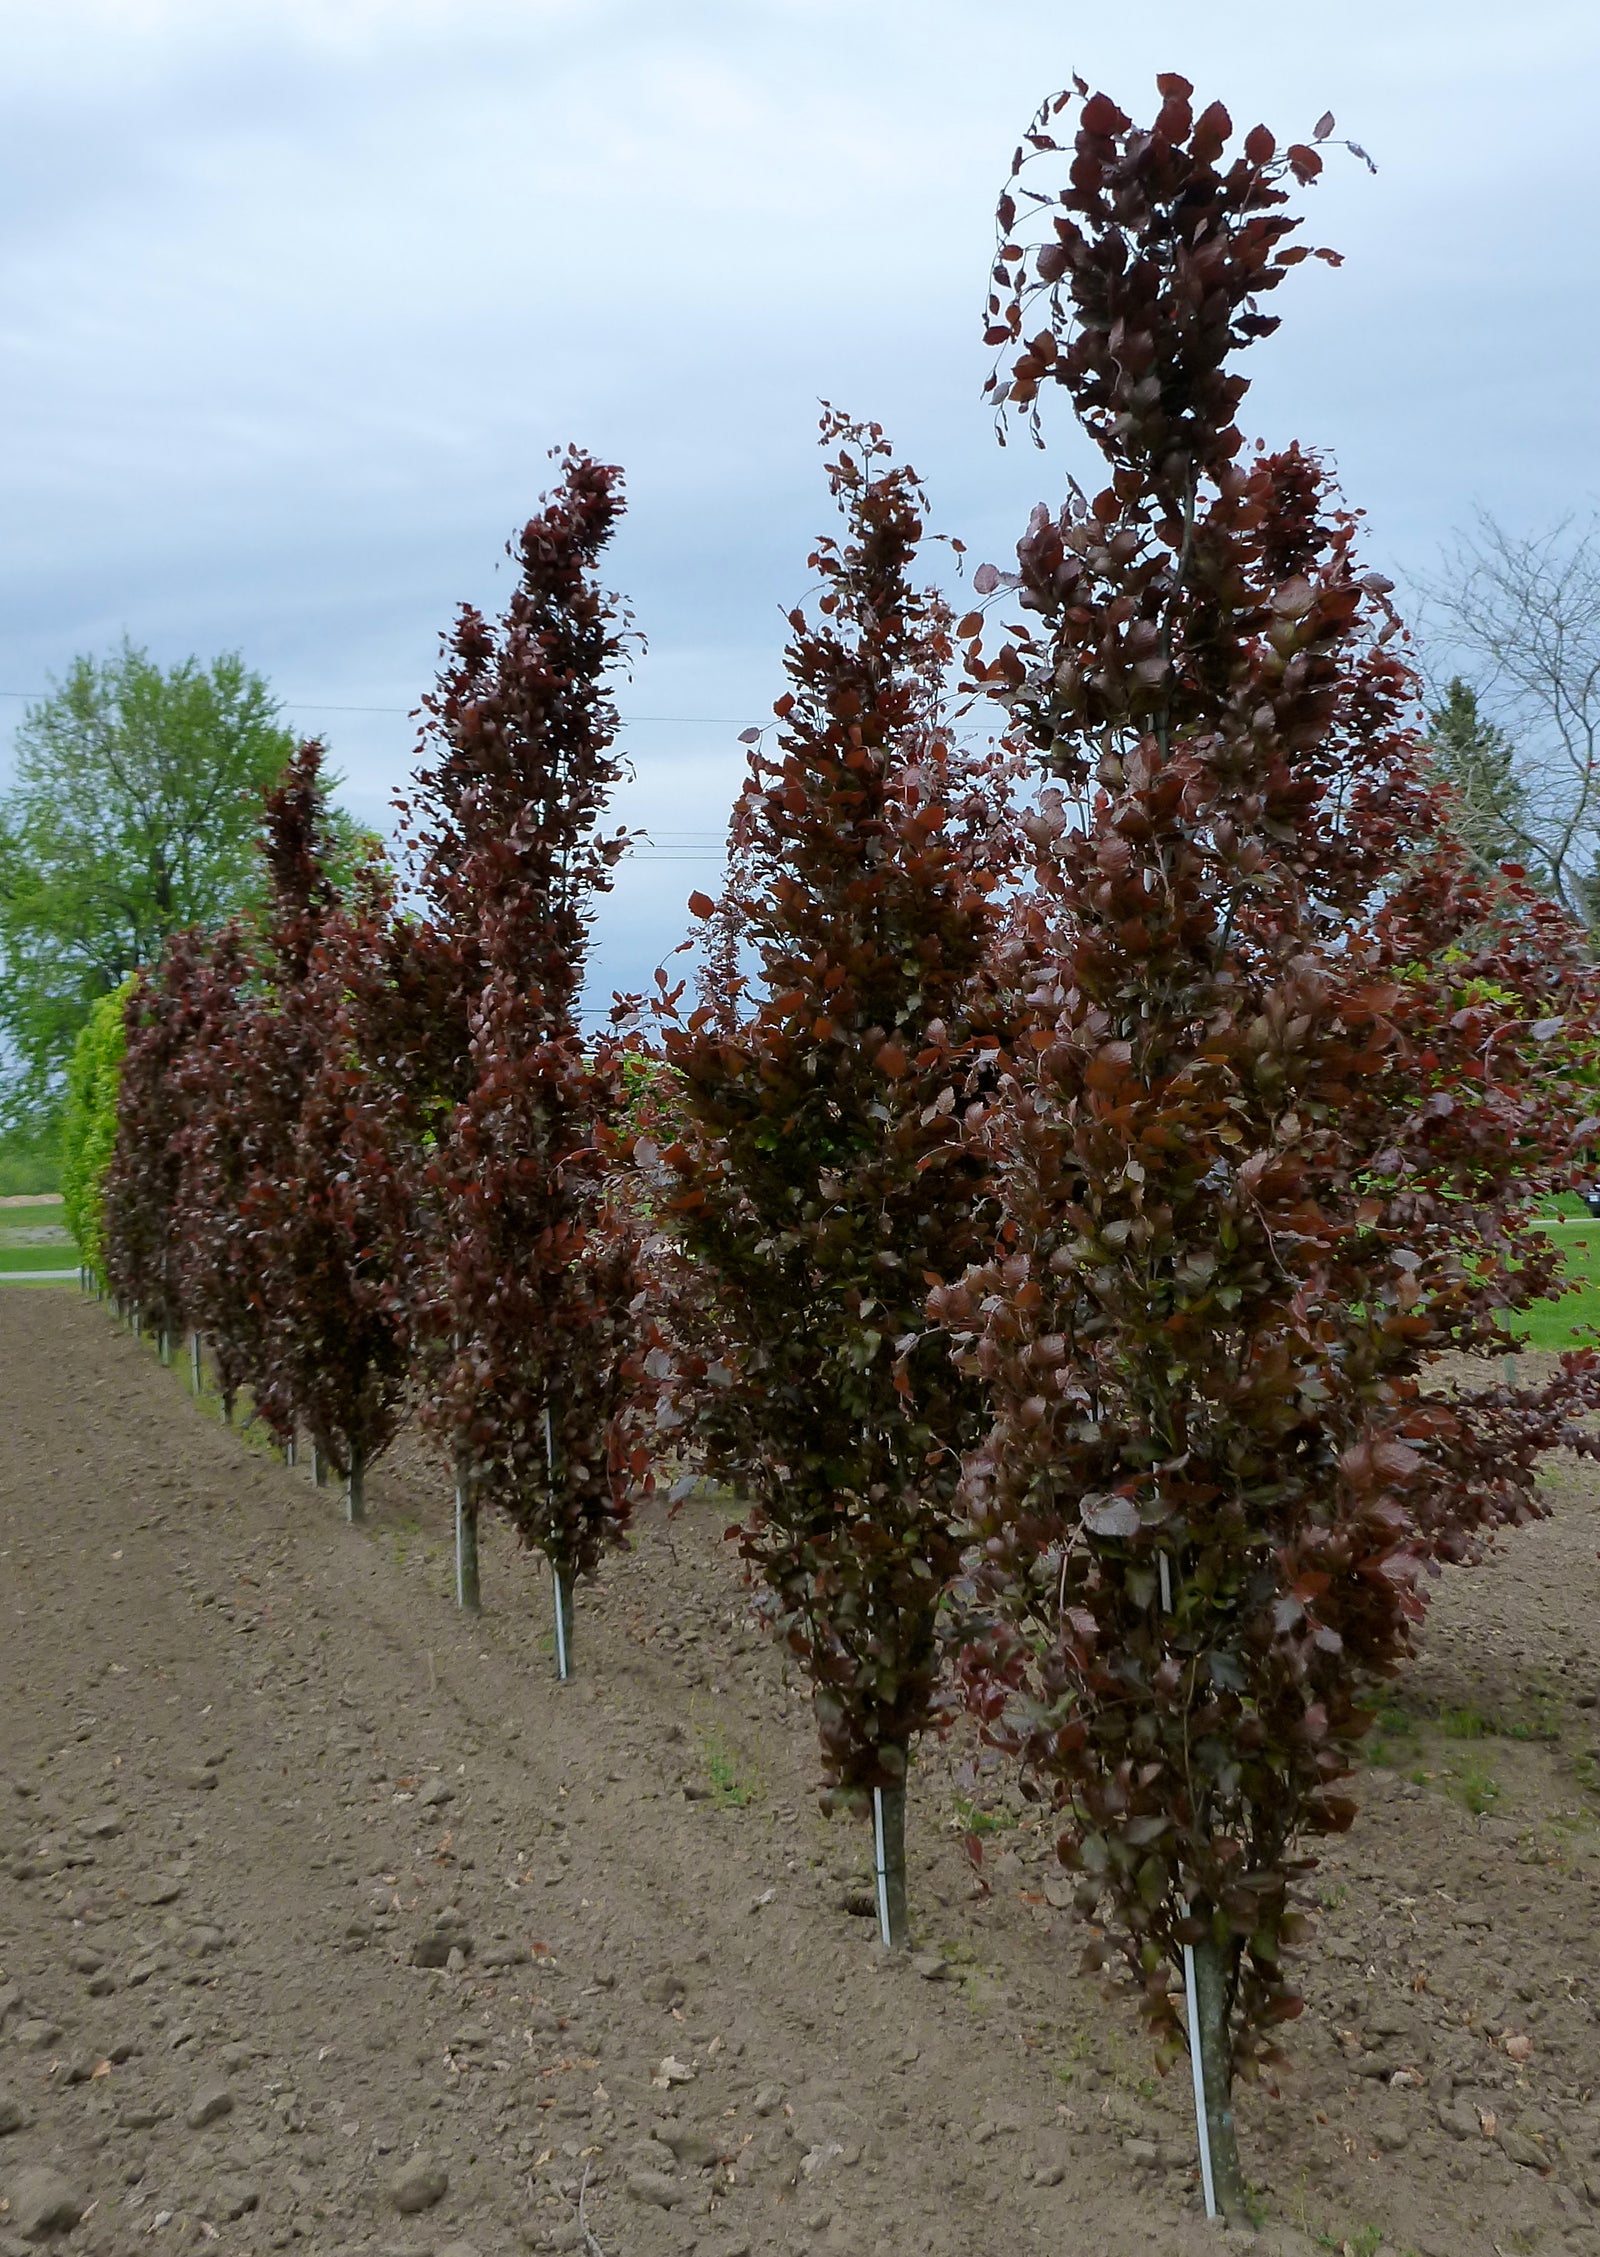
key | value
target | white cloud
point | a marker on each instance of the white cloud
(295, 294)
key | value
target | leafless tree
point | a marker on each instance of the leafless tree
(1519, 616)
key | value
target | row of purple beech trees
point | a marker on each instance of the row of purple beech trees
(1046, 1207)
(363, 1150)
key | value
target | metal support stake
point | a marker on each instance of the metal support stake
(562, 1657)
(561, 1627)
(881, 1861)
(1191, 1997)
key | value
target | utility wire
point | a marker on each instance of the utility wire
(323, 705)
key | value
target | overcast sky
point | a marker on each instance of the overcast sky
(298, 293)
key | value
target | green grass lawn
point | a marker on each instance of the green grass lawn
(1567, 1323)
(1555, 1324)
(24, 1257)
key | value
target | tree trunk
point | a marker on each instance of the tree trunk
(138, 1324)
(290, 1453)
(1213, 1967)
(355, 1487)
(319, 1466)
(889, 1865)
(563, 1584)
(164, 1346)
(468, 1598)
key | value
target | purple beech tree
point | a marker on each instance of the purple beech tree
(531, 1288)
(1290, 1086)
(142, 1231)
(820, 1181)
(326, 1205)
(215, 1268)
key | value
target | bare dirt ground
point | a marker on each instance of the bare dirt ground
(330, 1922)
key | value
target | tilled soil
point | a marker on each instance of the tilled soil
(330, 1922)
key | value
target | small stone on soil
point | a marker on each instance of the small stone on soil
(418, 2186)
(42, 2202)
(655, 2188)
(33, 2037)
(234, 2197)
(212, 2101)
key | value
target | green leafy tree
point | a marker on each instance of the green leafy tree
(30, 1160)
(134, 814)
(1477, 761)
(89, 1120)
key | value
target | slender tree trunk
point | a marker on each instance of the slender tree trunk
(1213, 1967)
(889, 1865)
(138, 1324)
(164, 1346)
(319, 1466)
(563, 1598)
(468, 1597)
(291, 1455)
(355, 1487)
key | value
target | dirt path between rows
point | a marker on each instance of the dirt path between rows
(330, 1922)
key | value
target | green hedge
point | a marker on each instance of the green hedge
(89, 1120)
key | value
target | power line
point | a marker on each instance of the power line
(686, 720)
(406, 712)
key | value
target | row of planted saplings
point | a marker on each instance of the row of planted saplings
(888, 1805)
(467, 1581)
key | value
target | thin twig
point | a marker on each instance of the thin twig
(591, 2247)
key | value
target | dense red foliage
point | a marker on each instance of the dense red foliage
(143, 1236)
(215, 1268)
(820, 1180)
(1283, 1113)
(325, 1207)
(530, 1290)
